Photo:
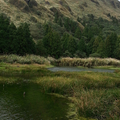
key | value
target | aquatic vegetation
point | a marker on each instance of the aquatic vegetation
(28, 59)
(86, 62)
(95, 95)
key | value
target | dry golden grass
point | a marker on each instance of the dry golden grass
(87, 62)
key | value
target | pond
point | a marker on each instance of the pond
(34, 105)
(72, 69)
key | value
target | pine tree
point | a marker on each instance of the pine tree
(78, 33)
(56, 45)
(4, 37)
(117, 49)
(101, 49)
(64, 42)
(47, 29)
(60, 22)
(52, 44)
(73, 26)
(40, 49)
(89, 46)
(67, 24)
(81, 45)
(96, 44)
(72, 46)
(110, 44)
(56, 17)
(30, 45)
(24, 43)
(12, 38)
(78, 19)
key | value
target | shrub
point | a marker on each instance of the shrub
(95, 55)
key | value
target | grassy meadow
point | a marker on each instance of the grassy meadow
(95, 95)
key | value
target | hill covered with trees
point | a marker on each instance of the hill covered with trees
(65, 38)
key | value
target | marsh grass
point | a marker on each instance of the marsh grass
(87, 62)
(28, 59)
(96, 95)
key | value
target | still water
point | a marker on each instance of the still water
(72, 69)
(34, 105)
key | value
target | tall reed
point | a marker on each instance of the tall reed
(86, 62)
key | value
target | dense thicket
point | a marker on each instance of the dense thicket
(98, 39)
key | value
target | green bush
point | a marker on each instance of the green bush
(95, 55)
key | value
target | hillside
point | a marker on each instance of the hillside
(75, 8)
(35, 12)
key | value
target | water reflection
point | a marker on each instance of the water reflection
(72, 69)
(33, 105)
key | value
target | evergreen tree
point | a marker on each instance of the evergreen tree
(110, 44)
(67, 24)
(81, 45)
(47, 39)
(56, 45)
(78, 33)
(40, 49)
(89, 46)
(101, 49)
(4, 37)
(72, 46)
(24, 43)
(60, 22)
(78, 19)
(47, 29)
(96, 44)
(30, 45)
(117, 49)
(73, 26)
(53, 44)
(64, 42)
(56, 17)
(12, 38)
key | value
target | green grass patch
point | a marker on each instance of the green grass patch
(96, 95)
(107, 67)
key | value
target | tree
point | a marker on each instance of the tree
(89, 46)
(64, 42)
(56, 17)
(60, 22)
(4, 37)
(81, 45)
(67, 24)
(78, 19)
(96, 44)
(117, 49)
(72, 46)
(56, 45)
(30, 45)
(24, 43)
(40, 49)
(110, 44)
(78, 33)
(52, 44)
(12, 38)
(101, 49)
